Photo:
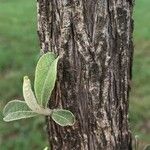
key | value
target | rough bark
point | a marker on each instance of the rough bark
(94, 38)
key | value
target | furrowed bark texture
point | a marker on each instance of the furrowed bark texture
(94, 39)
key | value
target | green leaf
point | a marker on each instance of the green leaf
(41, 72)
(63, 117)
(46, 148)
(15, 105)
(49, 82)
(19, 115)
(17, 109)
(31, 100)
(29, 95)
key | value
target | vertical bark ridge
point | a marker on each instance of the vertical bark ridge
(94, 38)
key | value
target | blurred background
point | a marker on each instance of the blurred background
(19, 52)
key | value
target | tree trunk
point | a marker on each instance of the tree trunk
(94, 39)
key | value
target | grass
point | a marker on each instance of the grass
(18, 53)
(140, 95)
(18, 38)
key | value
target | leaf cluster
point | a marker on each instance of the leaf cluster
(36, 104)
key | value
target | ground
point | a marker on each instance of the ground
(18, 38)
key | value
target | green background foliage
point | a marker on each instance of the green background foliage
(19, 52)
(140, 94)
